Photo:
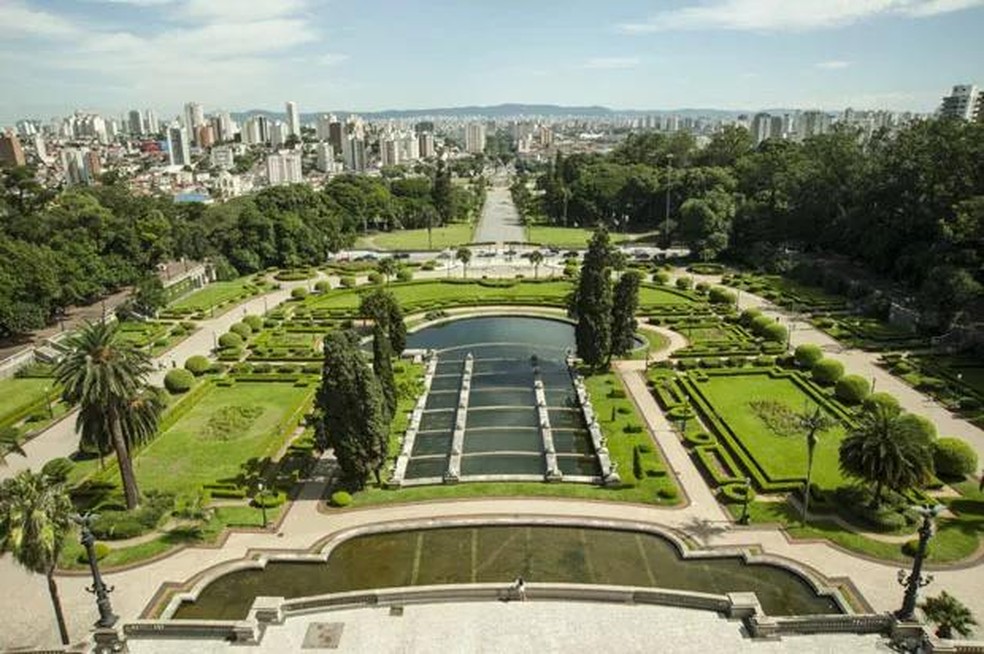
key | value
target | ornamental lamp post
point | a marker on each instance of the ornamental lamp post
(914, 580)
(106, 616)
(743, 520)
(260, 494)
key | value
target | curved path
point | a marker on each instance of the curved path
(28, 622)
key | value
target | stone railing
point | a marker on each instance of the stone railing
(543, 419)
(453, 473)
(241, 631)
(763, 626)
(406, 446)
(609, 470)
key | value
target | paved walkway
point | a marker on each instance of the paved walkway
(500, 222)
(26, 620)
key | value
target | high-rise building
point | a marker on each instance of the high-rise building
(389, 151)
(326, 156)
(250, 132)
(336, 135)
(963, 102)
(179, 150)
(136, 123)
(284, 168)
(425, 144)
(354, 153)
(11, 152)
(323, 127)
(264, 124)
(475, 137)
(761, 127)
(151, 122)
(80, 166)
(775, 128)
(222, 156)
(278, 135)
(293, 120)
(813, 123)
(409, 147)
(194, 115)
(40, 148)
(204, 136)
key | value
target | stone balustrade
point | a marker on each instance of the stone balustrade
(609, 470)
(409, 436)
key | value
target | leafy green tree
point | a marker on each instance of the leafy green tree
(949, 615)
(382, 365)
(886, 450)
(536, 258)
(464, 255)
(10, 443)
(149, 295)
(946, 293)
(106, 378)
(388, 267)
(352, 411)
(35, 518)
(727, 146)
(593, 332)
(383, 309)
(442, 192)
(626, 302)
(705, 223)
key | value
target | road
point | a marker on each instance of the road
(500, 222)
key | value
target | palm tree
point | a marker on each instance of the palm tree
(107, 378)
(464, 255)
(35, 517)
(536, 258)
(387, 268)
(886, 450)
(949, 615)
(812, 424)
(10, 444)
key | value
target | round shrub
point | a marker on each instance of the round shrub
(807, 355)
(322, 287)
(923, 427)
(58, 469)
(953, 458)
(178, 380)
(299, 293)
(702, 287)
(198, 365)
(100, 550)
(242, 329)
(684, 283)
(760, 322)
(720, 295)
(230, 340)
(268, 500)
(737, 493)
(375, 278)
(775, 333)
(881, 400)
(347, 281)
(255, 322)
(748, 317)
(341, 498)
(902, 368)
(405, 275)
(827, 371)
(430, 264)
(968, 403)
(852, 389)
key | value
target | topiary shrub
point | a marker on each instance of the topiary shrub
(58, 469)
(702, 287)
(748, 316)
(775, 333)
(684, 283)
(322, 287)
(405, 275)
(268, 500)
(881, 400)
(720, 295)
(667, 494)
(632, 428)
(101, 550)
(430, 264)
(737, 493)
(242, 329)
(700, 438)
(952, 457)
(198, 365)
(341, 498)
(230, 340)
(923, 427)
(807, 355)
(760, 322)
(299, 293)
(827, 371)
(255, 322)
(347, 281)
(661, 277)
(852, 389)
(375, 278)
(931, 385)
(178, 380)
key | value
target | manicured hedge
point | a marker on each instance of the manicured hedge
(255, 322)
(775, 333)
(341, 498)
(299, 293)
(852, 389)
(198, 365)
(230, 340)
(807, 355)
(719, 295)
(178, 380)
(953, 458)
(737, 493)
(827, 371)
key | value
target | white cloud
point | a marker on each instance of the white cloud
(330, 59)
(798, 15)
(237, 11)
(833, 64)
(19, 20)
(611, 63)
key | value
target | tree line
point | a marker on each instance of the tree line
(908, 205)
(71, 247)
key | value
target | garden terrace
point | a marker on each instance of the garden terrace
(29, 403)
(154, 337)
(869, 334)
(216, 298)
(293, 342)
(955, 381)
(787, 292)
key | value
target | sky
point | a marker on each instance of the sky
(362, 55)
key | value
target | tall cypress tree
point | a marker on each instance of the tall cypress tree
(623, 313)
(594, 302)
(382, 308)
(382, 365)
(350, 404)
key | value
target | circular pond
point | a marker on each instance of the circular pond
(455, 555)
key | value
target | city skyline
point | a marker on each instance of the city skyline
(110, 55)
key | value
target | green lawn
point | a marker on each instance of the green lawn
(203, 448)
(413, 294)
(780, 456)
(416, 239)
(216, 294)
(20, 393)
(566, 237)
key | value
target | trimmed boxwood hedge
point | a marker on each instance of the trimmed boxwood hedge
(341, 498)
(198, 365)
(230, 340)
(953, 458)
(807, 355)
(737, 493)
(178, 380)
(827, 371)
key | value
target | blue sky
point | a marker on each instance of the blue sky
(108, 55)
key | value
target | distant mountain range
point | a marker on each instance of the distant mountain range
(515, 109)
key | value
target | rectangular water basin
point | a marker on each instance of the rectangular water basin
(437, 421)
(566, 419)
(572, 441)
(429, 467)
(502, 440)
(442, 400)
(502, 397)
(502, 418)
(503, 464)
(578, 465)
(446, 383)
(521, 379)
(431, 443)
